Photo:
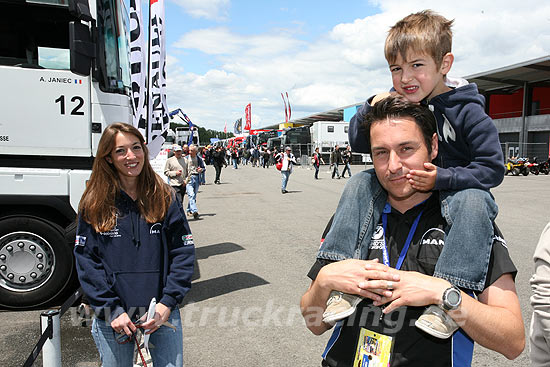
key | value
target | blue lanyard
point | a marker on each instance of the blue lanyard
(385, 254)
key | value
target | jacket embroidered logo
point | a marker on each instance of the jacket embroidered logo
(448, 131)
(187, 240)
(155, 229)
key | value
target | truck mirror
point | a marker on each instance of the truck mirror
(82, 48)
(80, 9)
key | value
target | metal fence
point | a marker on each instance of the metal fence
(530, 150)
(304, 152)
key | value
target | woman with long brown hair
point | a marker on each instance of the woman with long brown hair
(133, 244)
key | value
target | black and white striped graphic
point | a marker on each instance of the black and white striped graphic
(159, 121)
(138, 67)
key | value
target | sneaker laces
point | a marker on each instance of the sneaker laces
(334, 298)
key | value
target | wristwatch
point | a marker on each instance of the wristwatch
(452, 298)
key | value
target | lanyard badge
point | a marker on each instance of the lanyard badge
(403, 254)
(373, 348)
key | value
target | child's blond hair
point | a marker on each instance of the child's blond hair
(426, 32)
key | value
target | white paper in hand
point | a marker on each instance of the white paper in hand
(150, 315)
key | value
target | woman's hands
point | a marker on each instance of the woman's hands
(162, 313)
(123, 324)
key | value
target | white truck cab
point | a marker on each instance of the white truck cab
(64, 66)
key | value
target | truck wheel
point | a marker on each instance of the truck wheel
(36, 263)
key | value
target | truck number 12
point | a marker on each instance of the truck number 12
(76, 110)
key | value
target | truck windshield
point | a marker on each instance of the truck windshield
(298, 137)
(35, 34)
(64, 3)
(114, 65)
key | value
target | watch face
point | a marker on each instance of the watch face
(453, 297)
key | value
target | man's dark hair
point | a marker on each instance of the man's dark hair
(397, 106)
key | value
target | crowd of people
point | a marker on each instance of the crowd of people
(240, 156)
(236, 156)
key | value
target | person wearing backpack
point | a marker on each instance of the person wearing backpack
(316, 159)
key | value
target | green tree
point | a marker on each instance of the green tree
(205, 134)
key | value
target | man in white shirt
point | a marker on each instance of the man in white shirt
(174, 170)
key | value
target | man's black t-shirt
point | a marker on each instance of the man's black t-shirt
(412, 347)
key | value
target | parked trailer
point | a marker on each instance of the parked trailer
(326, 134)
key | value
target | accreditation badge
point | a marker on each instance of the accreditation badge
(373, 349)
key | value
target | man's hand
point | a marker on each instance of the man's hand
(423, 180)
(344, 276)
(414, 289)
(123, 324)
(162, 313)
(367, 279)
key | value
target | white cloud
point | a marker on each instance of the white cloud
(208, 9)
(171, 61)
(344, 66)
(221, 41)
(212, 41)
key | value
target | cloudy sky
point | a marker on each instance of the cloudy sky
(224, 54)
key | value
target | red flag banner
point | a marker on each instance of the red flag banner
(289, 110)
(225, 128)
(248, 118)
(286, 111)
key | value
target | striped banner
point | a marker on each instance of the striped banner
(138, 67)
(159, 122)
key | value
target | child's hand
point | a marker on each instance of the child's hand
(377, 98)
(423, 180)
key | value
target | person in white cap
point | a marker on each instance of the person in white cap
(174, 168)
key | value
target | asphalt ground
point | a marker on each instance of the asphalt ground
(254, 248)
